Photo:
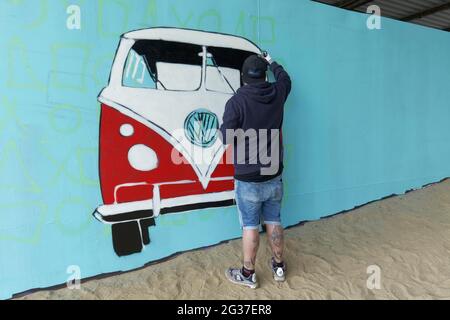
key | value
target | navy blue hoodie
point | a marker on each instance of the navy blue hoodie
(257, 106)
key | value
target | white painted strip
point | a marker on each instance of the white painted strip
(136, 184)
(127, 185)
(121, 208)
(156, 201)
(204, 198)
(222, 179)
(197, 37)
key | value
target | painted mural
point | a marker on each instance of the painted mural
(167, 92)
(91, 92)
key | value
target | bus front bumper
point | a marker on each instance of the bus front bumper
(152, 208)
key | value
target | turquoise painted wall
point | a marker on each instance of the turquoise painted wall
(368, 117)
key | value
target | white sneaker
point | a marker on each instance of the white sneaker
(279, 273)
(236, 276)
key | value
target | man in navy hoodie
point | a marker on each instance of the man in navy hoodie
(252, 124)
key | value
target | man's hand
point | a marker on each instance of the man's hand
(266, 56)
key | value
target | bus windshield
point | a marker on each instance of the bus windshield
(176, 66)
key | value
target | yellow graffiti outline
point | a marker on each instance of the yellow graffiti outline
(11, 107)
(182, 24)
(36, 236)
(85, 180)
(98, 64)
(62, 168)
(210, 13)
(52, 115)
(8, 149)
(257, 26)
(240, 26)
(41, 18)
(55, 66)
(100, 18)
(17, 44)
(152, 11)
(68, 230)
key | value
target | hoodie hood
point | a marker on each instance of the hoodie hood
(261, 92)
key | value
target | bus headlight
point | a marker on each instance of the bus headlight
(142, 158)
(126, 130)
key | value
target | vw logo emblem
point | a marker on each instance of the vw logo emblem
(201, 128)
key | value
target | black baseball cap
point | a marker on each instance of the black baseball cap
(254, 70)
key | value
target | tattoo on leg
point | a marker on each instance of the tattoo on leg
(277, 236)
(252, 262)
(277, 240)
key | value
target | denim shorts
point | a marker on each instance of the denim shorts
(259, 199)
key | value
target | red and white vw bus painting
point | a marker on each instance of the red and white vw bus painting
(159, 146)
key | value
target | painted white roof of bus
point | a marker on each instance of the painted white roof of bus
(197, 37)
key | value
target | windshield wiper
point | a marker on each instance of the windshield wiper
(221, 74)
(154, 78)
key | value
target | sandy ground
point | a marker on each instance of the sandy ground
(408, 237)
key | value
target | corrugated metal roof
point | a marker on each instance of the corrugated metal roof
(430, 13)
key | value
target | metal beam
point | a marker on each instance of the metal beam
(357, 5)
(344, 3)
(352, 4)
(427, 12)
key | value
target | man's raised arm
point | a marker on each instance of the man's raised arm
(283, 81)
